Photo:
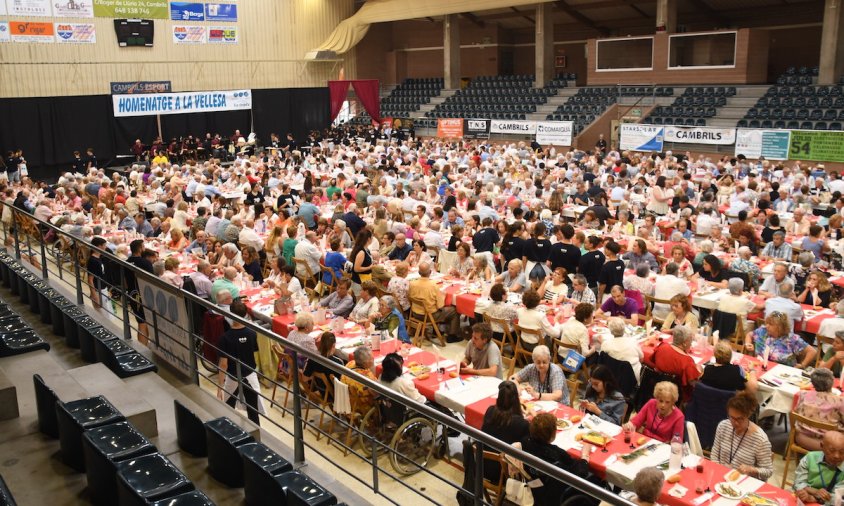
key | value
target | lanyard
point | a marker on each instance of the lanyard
(654, 428)
(831, 482)
(544, 387)
(733, 453)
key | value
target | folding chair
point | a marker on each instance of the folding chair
(284, 374)
(313, 396)
(792, 448)
(343, 407)
(420, 321)
(307, 279)
(520, 350)
(649, 303)
(507, 336)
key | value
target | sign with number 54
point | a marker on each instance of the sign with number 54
(816, 146)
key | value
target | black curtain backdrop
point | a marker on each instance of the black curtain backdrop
(49, 129)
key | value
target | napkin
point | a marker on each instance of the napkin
(702, 499)
(677, 491)
(611, 460)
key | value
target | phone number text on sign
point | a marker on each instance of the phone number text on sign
(151, 9)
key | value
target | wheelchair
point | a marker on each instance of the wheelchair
(410, 438)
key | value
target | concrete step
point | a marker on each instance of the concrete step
(35, 474)
(8, 398)
(751, 90)
(731, 112)
(98, 379)
(741, 101)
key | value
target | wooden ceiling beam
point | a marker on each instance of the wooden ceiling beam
(580, 17)
(522, 14)
(474, 19)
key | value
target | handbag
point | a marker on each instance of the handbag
(518, 492)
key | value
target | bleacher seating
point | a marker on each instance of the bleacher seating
(693, 107)
(588, 103)
(411, 94)
(795, 102)
(498, 97)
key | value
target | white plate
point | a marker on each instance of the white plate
(719, 487)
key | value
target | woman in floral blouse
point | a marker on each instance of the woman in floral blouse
(821, 405)
(784, 346)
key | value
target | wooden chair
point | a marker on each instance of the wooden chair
(819, 342)
(792, 448)
(559, 352)
(314, 396)
(327, 289)
(649, 303)
(573, 385)
(507, 335)
(509, 364)
(283, 374)
(351, 421)
(312, 294)
(418, 322)
(494, 491)
(308, 278)
(520, 350)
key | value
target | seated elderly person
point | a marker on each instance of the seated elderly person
(304, 323)
(777, 249)
(580, 292)
(705, 247)
(660, 418)
(575, 331)
(745, 265)
(681, 315)
(785, 347)
(366, 308)
(673, 358)
(543, 380)
(620, 305)
(821, 472)
(340, 301)
(724, 375)
(648, 486)
(622, 348)
(773, 284)
(390, 319)
(363, 399)
(800, 271)
(821, 405)
(226, 282)
(531, 318)
(736, 302)
(482, 356)
(513, 278)
(753, 455)
(784, 303)
(833, 357)
(640, 281)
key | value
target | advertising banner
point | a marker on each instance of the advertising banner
(185, 11)
(136, 87)
(188, 34)
(512, 127)
(3, 8)
(146, 9)
(449, 127)
(816, 146)
(405, 125)
(222, 35)
(29, 8)
(556, 133)
(700, 135)
(170, 341)
(73, 9)
(75, 33)
(476, 129)
(4, 32)
(772, 144)
(221, 12)
(27, 31)
(638, 137)
(178, 103)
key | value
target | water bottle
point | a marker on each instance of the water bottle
(676, 459)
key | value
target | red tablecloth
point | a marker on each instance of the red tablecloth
(712, 474)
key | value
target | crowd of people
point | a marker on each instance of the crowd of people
(600, 232)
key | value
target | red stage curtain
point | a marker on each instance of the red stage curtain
(337, 90)
(369, 95)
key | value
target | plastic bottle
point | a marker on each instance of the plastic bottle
(676, 460)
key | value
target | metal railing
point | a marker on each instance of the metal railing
(60, 263)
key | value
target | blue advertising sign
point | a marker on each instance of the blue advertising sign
(186, 11)
(221, 12)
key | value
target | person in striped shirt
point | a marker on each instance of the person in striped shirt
(740, 443)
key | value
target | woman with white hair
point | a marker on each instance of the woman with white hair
(640, 281)
(304, 323)
(706, 247)
(543, 380)
(622, 348)
(735, 302)
(743, 264)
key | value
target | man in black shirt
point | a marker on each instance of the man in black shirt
(591, 262)
(612, 273)
(239, 344)
(565, 254)
(79, 165)
(486, 238)
(136, 248)
(96, 273)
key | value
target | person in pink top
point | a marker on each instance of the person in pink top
(660, 418)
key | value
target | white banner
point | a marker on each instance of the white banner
(636, 137)
(222, 35)
(755, 143)
(4, 32)
(512, 127)
(700, 135)
(29, 8)
(189, 34)
(2, 7)
(178, 103)
(73, 9)
(557, 133)
(76, 33)
(169, 337)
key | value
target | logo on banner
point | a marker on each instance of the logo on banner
(64, 31)
(222, 35)
(477, 124)
(133, 87)
(513, 127)
(221, 12)
(188, 34)
(184, 11)
(23, 31)
(638, 137)
(449, 127)
(4, 32)
(73, 9)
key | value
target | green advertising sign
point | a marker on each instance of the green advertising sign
(145, 9)
(816, 146)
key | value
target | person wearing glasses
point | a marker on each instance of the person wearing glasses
(740, 443)
(784, 346)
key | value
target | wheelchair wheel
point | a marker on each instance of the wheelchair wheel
(412, 446)
(373, 427)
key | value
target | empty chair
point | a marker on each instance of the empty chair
(807, 125)
(74, 418)
(190, 431)
(816, 115)
(835, 125)
(766, 123)
(6, 498)
(820, 125)
(104, 448)
(132, 364)
(192, 498)
(150, 478)
(706, 409)
(300, 490)
(45, 405)
(261, 466)
(742, 123)
(23, 341)
(779, 124)
(223, 437)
